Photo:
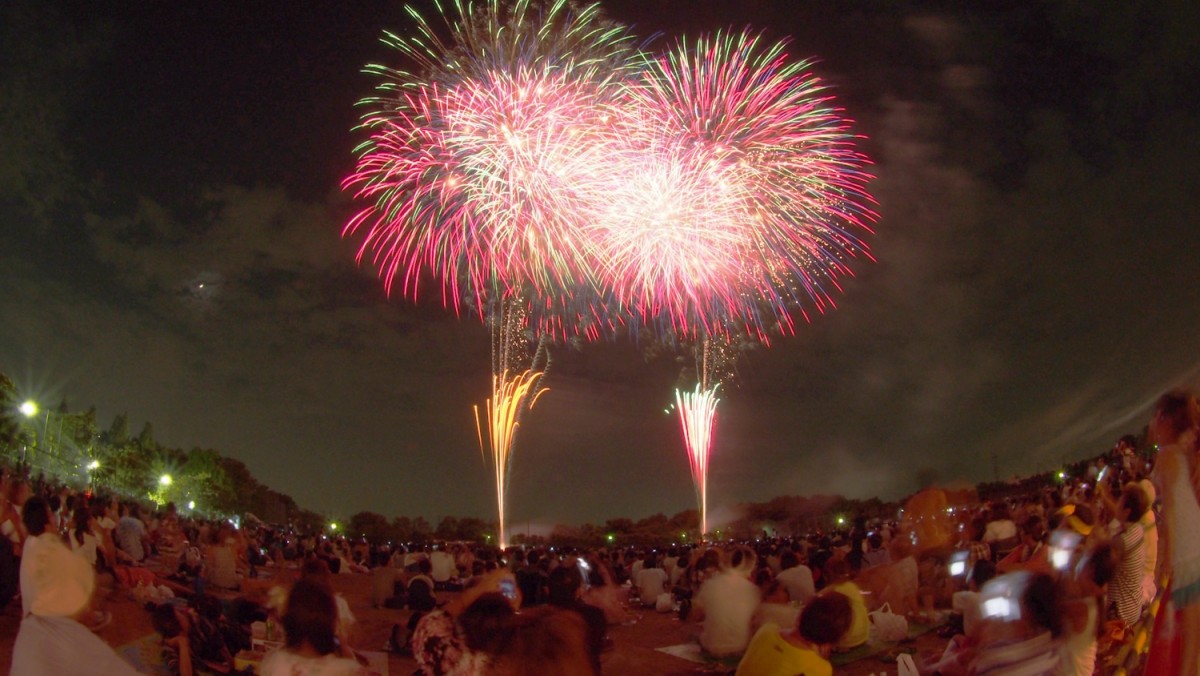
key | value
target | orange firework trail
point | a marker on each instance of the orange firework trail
(512, 395)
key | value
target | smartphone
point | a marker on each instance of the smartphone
(958, 563)
(508, 587)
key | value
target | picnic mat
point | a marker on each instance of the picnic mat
(874, 645)
(145, 654)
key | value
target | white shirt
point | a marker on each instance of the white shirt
(650, 583)
(443, 566)
(729, 600)
(798, 581)
(283, 662)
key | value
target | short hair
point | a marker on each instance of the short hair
(1042, 598)
(826, 618)
(1103, 562)
(789, 559)
(982, 571)
(835, 569)
(564, 582)
(1135, 501)
(36, 515)
(311, 617)
(485, 621)
(163, 619)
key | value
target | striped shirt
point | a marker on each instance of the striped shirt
(1126, 589)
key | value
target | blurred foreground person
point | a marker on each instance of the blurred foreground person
(57, 586)
(311, 647)
(1175, 428)
(1022, 628)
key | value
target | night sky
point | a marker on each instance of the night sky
(171, 214)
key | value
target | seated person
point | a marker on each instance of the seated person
(311, 647)
(458, 637)
(776, 608)
(650, 580)
(727, 602)
(565, 587)
(192, 643)
(58, 585)
(804, 648)
(837, 575)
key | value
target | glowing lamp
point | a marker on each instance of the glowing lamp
(29, 408)
(165, 480)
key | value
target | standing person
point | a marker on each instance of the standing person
(1129, 543)
(1176, 429)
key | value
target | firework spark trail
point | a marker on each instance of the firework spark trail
(698, 419)
(512, 395)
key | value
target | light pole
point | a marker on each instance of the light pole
(29, 409)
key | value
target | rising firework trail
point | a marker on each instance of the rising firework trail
(698, 418)
(512, 396)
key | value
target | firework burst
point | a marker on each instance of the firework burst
(742, 196)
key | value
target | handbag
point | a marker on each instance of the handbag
(888, 625)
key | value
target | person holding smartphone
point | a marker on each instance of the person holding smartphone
(440, 643)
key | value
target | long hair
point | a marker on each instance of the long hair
(311, 617)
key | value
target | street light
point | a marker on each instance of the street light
(165, 480)
(29, 408)
(94, 465)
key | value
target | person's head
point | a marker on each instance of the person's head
(1133, 502)
(425, 566)
(1176, 414)
(485, 622)
(36, 515)
(981, 572)
(789, 559)
(999, 511)
(544, 640)
(81, 520)
(1096, 568)
(1033, 531)
(836, 570)
(825, 619)
(311, 617)
(316, 570)
(742, 560)
(1042, 600)
(564, 585)
(165, 620)
(19, 491)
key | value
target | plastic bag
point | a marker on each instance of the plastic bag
(888, 625)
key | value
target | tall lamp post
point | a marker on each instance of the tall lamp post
(30, 409)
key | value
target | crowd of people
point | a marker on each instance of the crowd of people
(1052, 579)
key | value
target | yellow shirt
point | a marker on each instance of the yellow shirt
(860, 621)
(769, 654)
